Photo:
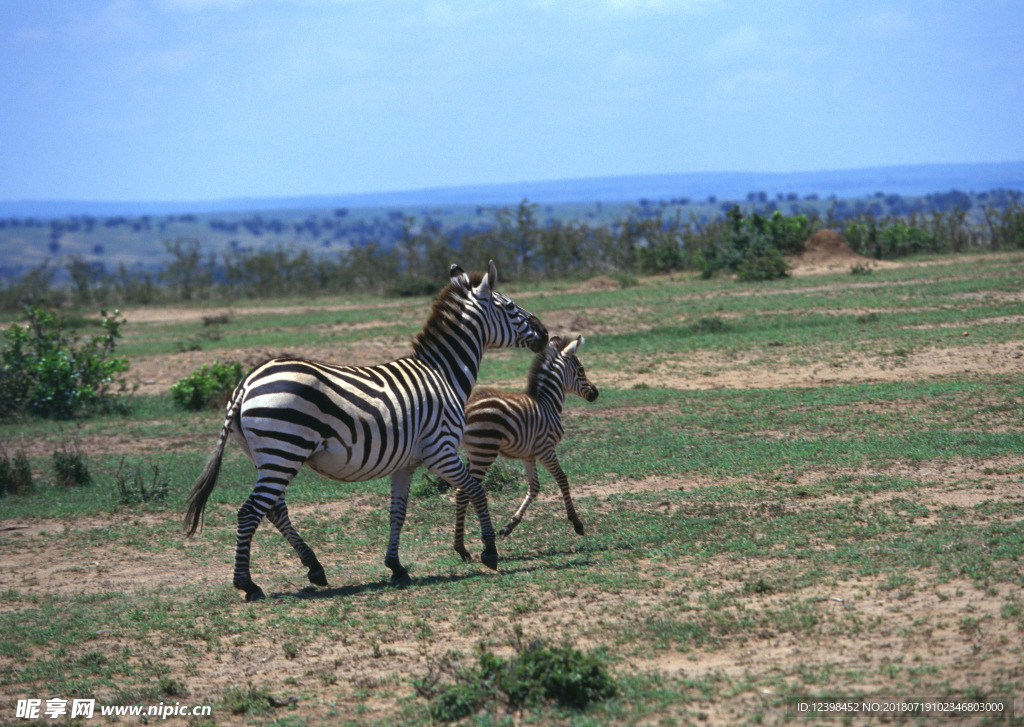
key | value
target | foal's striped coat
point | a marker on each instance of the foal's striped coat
(525, 426)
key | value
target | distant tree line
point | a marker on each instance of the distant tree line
(751, 242)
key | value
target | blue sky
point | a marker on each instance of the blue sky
(207, 99)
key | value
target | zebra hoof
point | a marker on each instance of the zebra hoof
(400, 580)
(489, 559)
(318, 577)
(399, 574)
(505, 531)
(578, 526)
(461, 550)
(255, 593)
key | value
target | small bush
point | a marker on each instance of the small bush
(132, 488)
(69, 468)
(246, 700)
(626, 280)
(505, 475)
(430, 486)
(710, 325)
(50, 372)
(535, 674)
(208, 387)
(15, 475)
(766, 265)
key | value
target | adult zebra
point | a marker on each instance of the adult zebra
(525, 426)
(355, 423)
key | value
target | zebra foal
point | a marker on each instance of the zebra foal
(525, 426)
(355, 423)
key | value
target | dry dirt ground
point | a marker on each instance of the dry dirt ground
(47, 565)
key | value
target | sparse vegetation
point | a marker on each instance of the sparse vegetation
(132, 488)
(780, 481)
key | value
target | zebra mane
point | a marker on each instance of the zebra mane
(541, 365)
(446, 307)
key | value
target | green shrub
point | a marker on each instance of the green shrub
(766, 265)
(207, 387)
(246, 700)
(753, 246)
(1006, 226)
(50, 372)
(895, 237)
(69, 469)
(712, 324)
(429, 485)
(15, 475)
(899, 240)
(505, 475)
(535, 674)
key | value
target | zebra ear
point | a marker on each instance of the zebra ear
(573, 347)
(458, 277)
(487, 284)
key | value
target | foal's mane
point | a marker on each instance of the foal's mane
(541, 364)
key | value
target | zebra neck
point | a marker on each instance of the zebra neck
(456, 356)
(551, 396)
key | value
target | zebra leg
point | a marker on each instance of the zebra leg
(479, 463)
(461, 500)
(249, 516)
(447, 464)
(278, 515)
(475, 492)
(531, 475)
(550, 461)
(399, 500)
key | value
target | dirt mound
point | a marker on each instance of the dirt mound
(601, 282)
(827, 251)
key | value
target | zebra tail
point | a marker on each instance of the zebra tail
(208, 477)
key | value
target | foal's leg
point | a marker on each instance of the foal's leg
(550, 461)
(531, 475)
(278, 515)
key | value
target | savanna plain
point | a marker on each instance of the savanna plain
(808, 490)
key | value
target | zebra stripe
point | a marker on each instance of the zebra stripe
(355, 423)
(525, 426)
